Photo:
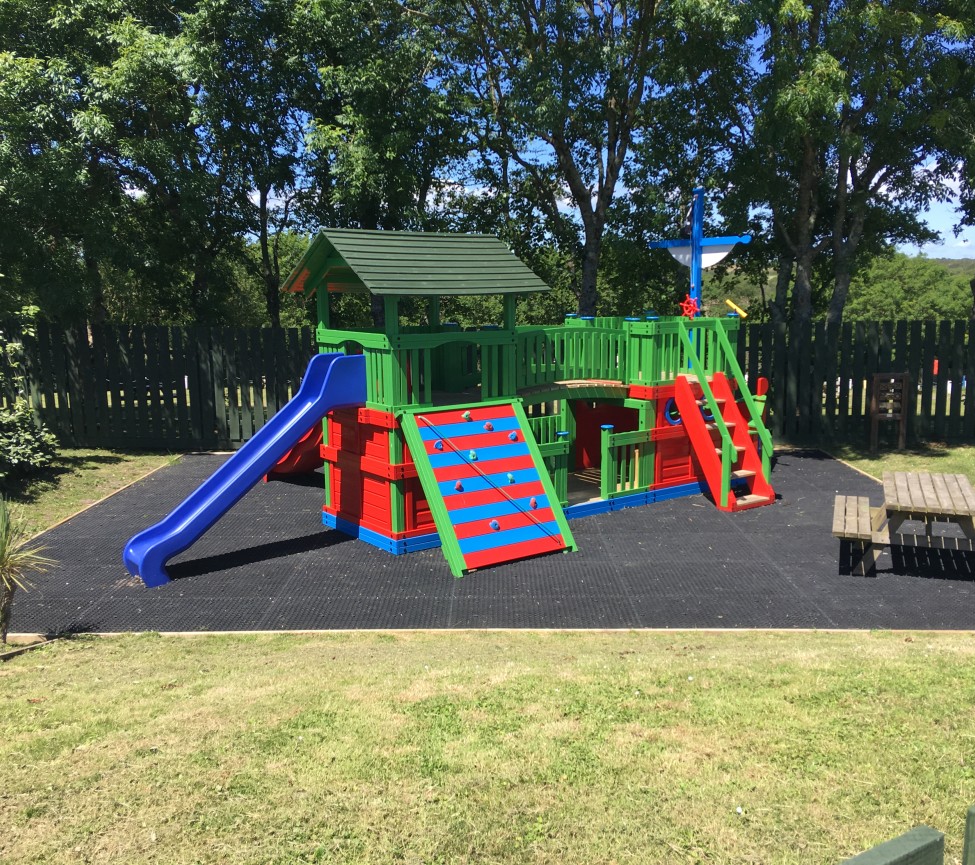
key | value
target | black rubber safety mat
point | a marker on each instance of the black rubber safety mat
(269, 564)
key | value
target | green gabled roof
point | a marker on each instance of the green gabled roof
(411, 263)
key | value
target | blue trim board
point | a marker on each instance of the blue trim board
(588, 509)
(603, 506)
(397, 547)
(677, 492)
(573, 512)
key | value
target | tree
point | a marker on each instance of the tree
(555, 90)
(844, 135)
(896, 286)
(253, 67)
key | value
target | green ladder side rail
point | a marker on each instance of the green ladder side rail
(729, 364)
(729, 453)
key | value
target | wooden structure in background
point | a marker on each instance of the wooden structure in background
(890, 403)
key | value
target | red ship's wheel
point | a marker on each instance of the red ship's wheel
(689, 307)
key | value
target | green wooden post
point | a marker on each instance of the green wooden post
(561, 478)
(397, 488)
(607, 472)
(324, 308)
(391, 314)
(433, 312)
(510, 311)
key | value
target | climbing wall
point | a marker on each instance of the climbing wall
(491, 497)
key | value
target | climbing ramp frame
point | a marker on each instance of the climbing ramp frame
(491, 497)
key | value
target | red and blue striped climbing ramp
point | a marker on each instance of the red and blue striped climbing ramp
(490, 494)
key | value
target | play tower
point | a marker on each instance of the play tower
(486, 440)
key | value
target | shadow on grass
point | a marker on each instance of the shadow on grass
(26, 491)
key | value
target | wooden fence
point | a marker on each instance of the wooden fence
(821, 377)
(201, 388)
(172, 388)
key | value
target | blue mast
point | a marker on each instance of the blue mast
(691, 253)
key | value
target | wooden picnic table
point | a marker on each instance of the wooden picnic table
(928, 498)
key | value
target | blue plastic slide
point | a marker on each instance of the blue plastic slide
(331, 381)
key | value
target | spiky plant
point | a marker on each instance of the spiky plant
(17, 559)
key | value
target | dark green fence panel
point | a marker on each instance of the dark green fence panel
(154, 387)
(194, 388)
(821, 377)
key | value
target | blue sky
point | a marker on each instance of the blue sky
(942, 218)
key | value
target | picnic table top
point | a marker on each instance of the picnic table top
(929, 493)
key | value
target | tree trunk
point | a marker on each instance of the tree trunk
(97, 308)
(783, 279)
(842, 277)
(590, 267)
(802, 291)
(972, 286)
(806, 213)
(6, 602)
(377, 304)
(272, 281)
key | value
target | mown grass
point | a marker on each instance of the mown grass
(485, 747)
(957, 459)
(78, 478)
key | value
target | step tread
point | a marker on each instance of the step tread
(738, 474)
(738, 448)
(730, 424)
(753, 499)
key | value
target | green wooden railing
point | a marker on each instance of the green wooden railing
(626, 462)
(579, 350)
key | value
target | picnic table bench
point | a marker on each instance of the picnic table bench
(921, 499)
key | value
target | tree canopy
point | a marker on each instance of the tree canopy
(166, 163)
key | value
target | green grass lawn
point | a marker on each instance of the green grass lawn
(958, 459)
(485, 747)
(79, 478)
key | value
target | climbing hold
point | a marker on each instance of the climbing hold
(466, 415)
(533, 504)
(511, 478)
(472, 455)
(459, 487)
(495, 525)
(513, 436)
(489, 427)
(438, 445)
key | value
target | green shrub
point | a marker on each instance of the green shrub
(26, 446)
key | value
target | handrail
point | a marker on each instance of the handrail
(756, 416)
(728, 452)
